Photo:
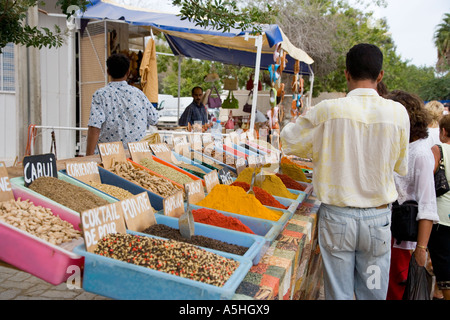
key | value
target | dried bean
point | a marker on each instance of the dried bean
(173, 257)
(38, 221)
(113, 191)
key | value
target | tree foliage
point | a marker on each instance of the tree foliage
(14, 27)
(442, 42)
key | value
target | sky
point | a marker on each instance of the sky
(412, 24)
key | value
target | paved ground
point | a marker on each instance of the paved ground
(18, 285)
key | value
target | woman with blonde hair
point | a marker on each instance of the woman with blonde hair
(436, 110)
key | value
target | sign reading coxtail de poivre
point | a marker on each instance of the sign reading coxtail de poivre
(134, 213)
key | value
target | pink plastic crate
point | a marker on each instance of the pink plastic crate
(33, 255)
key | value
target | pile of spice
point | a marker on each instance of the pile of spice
(235, 200)
(165, 171)
(145, 179)
(271, 183)
(69, 195)
(214, 218)
(293, 170)
(170, 256)
(263, 196)
(113, 191)
(290, 183)
(164, 231)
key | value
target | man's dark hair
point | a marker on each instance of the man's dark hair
(364, 61)
(118, 64)
(193, 89)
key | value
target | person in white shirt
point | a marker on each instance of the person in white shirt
(436, 110)
(417, 185)
(356, 144)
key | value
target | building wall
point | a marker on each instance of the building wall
(8, 134)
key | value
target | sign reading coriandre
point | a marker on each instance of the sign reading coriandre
(220, 14)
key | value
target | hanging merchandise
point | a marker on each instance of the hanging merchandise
(149, 72)
(230, 122)
(297, 91)
(230, 84)
(248, 105)
(214, 102)
(230, 101)
(251, 84)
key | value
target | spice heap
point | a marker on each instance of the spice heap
(235, 200)
(293, 170)
(69, 195)
(214, 218)
(170, 256)
(38, 221)
(113, 191)
(165, 171)
(290, 183)
(164, 231)
(145, 179)
(263, 196)
(271, 183)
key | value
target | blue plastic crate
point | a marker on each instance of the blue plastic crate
(121, 280)
(254, 243)
(181, 158)
(216, 161)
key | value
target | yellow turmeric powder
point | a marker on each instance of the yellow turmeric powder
(236, 200)
(293, 170)
(271, 183)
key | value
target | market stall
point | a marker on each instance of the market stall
(274, 257)
(235, 47)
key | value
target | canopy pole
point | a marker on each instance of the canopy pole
(258, 44)
(179, 87)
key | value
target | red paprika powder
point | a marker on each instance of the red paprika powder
(214, 218)
(290, 183)
(262, 195)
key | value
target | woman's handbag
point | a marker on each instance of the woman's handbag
(248, 105)
(230, 102)
(214, 102)
(404, 224)
(230, 84)
(440, 180)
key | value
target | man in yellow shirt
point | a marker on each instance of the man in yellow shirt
(356, 143)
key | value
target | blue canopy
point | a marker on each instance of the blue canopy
(187, 39)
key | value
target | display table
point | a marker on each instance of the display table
(291, 269)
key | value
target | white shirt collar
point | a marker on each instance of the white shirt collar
(363, 92)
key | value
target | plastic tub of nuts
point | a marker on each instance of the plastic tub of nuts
(163, 270)
(29, 252)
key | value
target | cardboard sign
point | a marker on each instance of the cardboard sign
(162, 151)
(43, 165)
(196, 141)
(174, 205)
(111, 151)
(225, 176)
(211, 179)
(139, 150)
(138, 212)
(207, 138)
(240, 165)
(196, 191)
(251, 161)
(83, 171)
(100, 221)
(6, 192)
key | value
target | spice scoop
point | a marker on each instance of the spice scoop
(250, 190)
(186, 221)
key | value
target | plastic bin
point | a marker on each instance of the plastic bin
(231, 168)
(192, 176)
(108, 177)
(234, 151)
(183, 159)
(254, 243)
(31, 254)
(121, 280)
(247, 151)
(44, 201)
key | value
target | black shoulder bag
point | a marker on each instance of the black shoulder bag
(404, 224)
(440, 180)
